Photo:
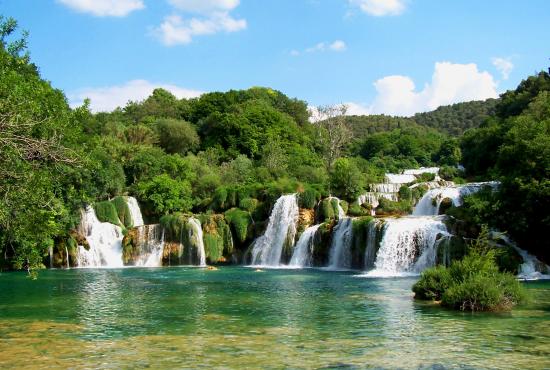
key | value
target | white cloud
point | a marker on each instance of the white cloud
(380, 8)
(451, 83)
(104, 8)
(504, 66)
(176, 31)
(336, 46)
(204, 6)
(106, 99)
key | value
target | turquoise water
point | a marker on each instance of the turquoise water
(239, 318)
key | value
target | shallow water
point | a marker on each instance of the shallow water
(240, 318)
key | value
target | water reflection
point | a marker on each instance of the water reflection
(293, 318)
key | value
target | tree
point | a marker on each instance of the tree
(177, 136)
(333, 131)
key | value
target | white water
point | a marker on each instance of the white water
(431, 201)
(196, 235)
(386, 188)
(105, 242)
(392, 178)
(135, 212)
(150, 246)
(340, 248)
(409, 245)
(281, 229)
(421, 170)
(302, 256)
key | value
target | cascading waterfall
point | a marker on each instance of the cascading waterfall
(67, 256)
(50, 252)
(431, 201)
(281, 229)
(150, 246)
(135, 212)
(104, 239)
(409, 245)
(302, 256)
(196, 235)
(340, 248)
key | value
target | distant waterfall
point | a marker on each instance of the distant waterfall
(431, 201)
(150, 246)
(340, 248)
(135, 212)
(409, 245)
(196, 235)
(281, 229)
(105, 242)
(302, 256)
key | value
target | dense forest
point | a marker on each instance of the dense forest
(232, 154)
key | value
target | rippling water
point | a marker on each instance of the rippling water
(240, 318)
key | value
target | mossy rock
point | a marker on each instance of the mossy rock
(445, 205)
(308, 198)
(356, 210)
(321, 244)
(452, 249)
(240, 221)
(508, 259)
(123, 211)
(106, 212)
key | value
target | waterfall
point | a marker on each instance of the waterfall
(531, 268)
(135, 212)
(281, 229)
(409, 245)
(400, 179)
(340, 248)
(422, 170)
(195, 234)
(431, 201)
(67, 256)
(370, 249)
(104, 239)
(150, 246)
(50, 252)
(302, 256)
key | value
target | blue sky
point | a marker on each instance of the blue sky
(378, 56)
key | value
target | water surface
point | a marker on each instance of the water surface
(239, 318)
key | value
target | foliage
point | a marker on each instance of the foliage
(177, 136)
(162, 195)
(346, 179)
(457, 118)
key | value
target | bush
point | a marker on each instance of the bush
(432, 284)
(473, 283)
(106, 212)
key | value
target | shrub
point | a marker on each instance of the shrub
(473, 283)
(106, 212)
(248, 204)
(433, 282)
